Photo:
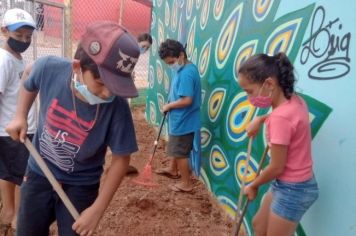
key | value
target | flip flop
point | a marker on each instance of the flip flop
(176, 188)
(167, 174)
(131, 170)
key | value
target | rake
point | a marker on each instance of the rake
(145, 177)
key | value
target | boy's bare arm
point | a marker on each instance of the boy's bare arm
(115, 175)
(90, 218)
(182, 102)
(27, 71)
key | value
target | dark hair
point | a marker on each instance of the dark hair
(261, 66)
(86, 63)
(144, 37)
(171, 48)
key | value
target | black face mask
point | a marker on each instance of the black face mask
(17, 45)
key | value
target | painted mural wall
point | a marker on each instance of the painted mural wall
(318, 37)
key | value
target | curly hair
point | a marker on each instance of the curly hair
(261, 66)
(171, 48)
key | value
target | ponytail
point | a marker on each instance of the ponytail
(286, 76)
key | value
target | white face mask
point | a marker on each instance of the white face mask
(91, 98)
(176, 66)
(142, 50)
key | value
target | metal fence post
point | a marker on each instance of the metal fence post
(67, 42)
(122, 5)
(34, 43)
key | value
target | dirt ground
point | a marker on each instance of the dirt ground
(141, 211)
(136, 210)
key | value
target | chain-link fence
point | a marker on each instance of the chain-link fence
(60, 23)
(49, 38)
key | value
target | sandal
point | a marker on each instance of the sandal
(177, 188)
(131, 170)
(167, 174)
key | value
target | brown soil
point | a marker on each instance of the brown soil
(136, 210)
(141, 211)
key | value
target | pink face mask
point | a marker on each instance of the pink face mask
(261, 101)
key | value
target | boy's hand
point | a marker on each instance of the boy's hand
(17, 129)
(251, 192)
(166, 108)
(87, 222)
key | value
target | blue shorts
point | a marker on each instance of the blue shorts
(40, 205)
(291, 200)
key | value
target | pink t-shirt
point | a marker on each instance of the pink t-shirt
(288, 124)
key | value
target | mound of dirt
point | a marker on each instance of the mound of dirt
(137, 210)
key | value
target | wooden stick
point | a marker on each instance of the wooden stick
(243, 183)
(236, 228)
(57, 187)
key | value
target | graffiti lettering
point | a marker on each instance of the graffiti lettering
(325, 45)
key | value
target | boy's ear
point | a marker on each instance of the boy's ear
(4, 31)
(181, 54)
(76, 66)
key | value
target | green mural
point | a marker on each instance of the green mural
(219, 36)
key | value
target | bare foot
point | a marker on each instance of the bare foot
(6, 218)
(166, 170)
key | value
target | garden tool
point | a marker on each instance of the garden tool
(145, 177)
(47, 172)
(240, 214)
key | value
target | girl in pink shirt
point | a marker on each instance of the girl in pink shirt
(269, 81)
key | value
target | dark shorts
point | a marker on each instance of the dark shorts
(13, 160)
(40, 206)
(180, 146)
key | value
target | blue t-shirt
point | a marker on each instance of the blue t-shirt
(185, 83)
(75, 156)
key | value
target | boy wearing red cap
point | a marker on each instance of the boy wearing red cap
(17, 28)
(83, 111)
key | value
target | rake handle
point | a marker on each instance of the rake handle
(47, 172)
(247, 165)
(237, 226)
(157, 138)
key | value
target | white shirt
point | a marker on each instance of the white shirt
(11, 70)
